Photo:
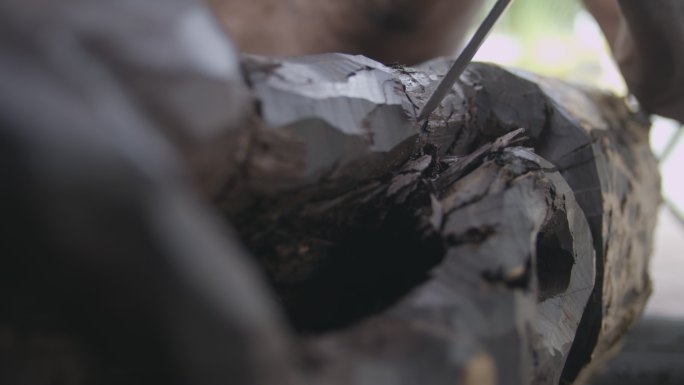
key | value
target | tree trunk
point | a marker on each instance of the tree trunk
(503, 241)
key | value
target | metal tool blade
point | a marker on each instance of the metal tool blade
(463, 59)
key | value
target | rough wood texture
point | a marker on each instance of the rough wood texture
(504, 241)
(362, 112)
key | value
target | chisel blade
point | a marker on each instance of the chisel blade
(463, 59)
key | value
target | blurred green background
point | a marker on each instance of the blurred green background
(552, 37)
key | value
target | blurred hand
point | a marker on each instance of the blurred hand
(647, 40)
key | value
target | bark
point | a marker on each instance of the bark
(503, 241)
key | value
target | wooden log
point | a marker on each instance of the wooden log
(333, 196)
(504, 241)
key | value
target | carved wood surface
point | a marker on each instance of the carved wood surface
(593, 142)
(503, 241)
